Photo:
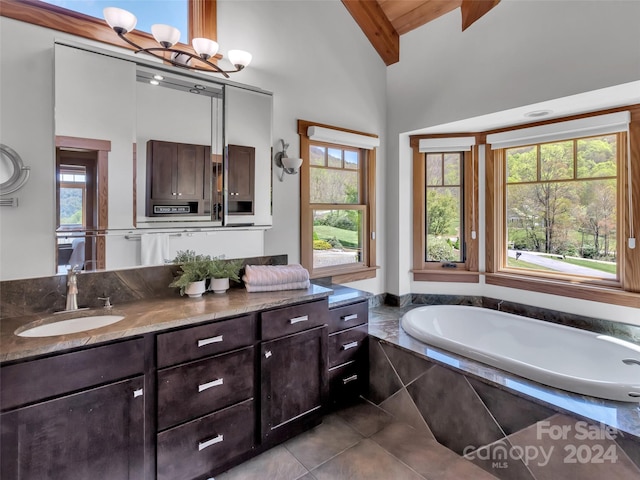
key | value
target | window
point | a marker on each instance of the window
(444, 209)
(559, 211)
(84, 20)
(337, 206)
(147, 12)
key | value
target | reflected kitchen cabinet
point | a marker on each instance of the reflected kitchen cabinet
(241, 179)
(177, 178)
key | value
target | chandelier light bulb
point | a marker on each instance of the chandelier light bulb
(204, 47)
(239, 58)
(165, 35)
(119, 19)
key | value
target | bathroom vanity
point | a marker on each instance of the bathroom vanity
(179, 388)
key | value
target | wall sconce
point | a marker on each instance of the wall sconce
(288, 165)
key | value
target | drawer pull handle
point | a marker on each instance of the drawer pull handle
(138, 393)
(303, 318)
(208, 443)
(267, 354)
(350, 379)
(214, 383)
(349, 345)
(207, 341)
(347, 318)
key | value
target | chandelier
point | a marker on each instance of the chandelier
(122, 22)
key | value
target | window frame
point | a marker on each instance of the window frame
(202, 18)
(622, 292)
(367, 268)
(432, 271)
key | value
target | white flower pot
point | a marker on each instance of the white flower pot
(219, 285)
(195, 289)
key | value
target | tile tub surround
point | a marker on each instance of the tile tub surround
(47, 294)
(483, 412)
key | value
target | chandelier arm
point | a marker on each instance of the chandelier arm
(213, 66)
(151, 51)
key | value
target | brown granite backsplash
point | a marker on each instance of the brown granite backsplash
(48, 294)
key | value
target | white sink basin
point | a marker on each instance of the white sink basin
(73, 325)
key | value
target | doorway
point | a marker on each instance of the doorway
(81, 203)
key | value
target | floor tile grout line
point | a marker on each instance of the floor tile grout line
(399, 460)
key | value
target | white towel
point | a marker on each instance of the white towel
(264, 275)
(154, 248)
(274, 288)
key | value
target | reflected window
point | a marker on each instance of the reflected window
(73, 196)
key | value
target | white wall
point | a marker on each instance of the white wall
(320, 67)
(522, 52)
(310, 54)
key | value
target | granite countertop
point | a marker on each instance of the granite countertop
(384, 323)
(146, 316)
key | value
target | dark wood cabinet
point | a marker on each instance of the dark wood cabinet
(178, 178)
(241, 179)
(293, 369)
(206, 417)
(348, 353)
(96, 432)
(184, 403)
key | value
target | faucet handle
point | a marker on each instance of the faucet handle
(107, 302)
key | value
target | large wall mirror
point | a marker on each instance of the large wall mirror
(145, 150)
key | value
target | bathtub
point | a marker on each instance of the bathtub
(555, 355)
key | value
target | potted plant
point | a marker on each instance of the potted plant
(222, 271)
(194, 271)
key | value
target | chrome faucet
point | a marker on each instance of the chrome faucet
(72, 288)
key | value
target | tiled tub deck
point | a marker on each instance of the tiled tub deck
(511, 427)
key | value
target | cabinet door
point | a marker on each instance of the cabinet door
(190, 172)
(241, 173)
(97, 433)
(294, 380)
(161, 164)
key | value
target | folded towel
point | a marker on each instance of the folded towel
(262, 275)
(275, 288)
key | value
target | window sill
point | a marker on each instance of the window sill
(347, 275)
(563, 288)
(461, 276)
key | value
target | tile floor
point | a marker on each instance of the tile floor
(362, 442)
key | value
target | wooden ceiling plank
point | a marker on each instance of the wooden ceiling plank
(376, 26)
(426, 12)
(473, 10)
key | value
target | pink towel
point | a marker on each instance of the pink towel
(275, 288)
(269, 275)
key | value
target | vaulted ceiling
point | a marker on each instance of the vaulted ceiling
(383, 21)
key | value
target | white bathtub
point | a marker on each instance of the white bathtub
(562, 357)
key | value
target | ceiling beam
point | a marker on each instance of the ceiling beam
(376, 26)
(472, 10)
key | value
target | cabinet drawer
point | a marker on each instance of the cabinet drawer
(35, 380)
(199, 342)
(293, 319)
(347, 345)
(199, 447)
(348, 316)
(189, 391)
(347, 382)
